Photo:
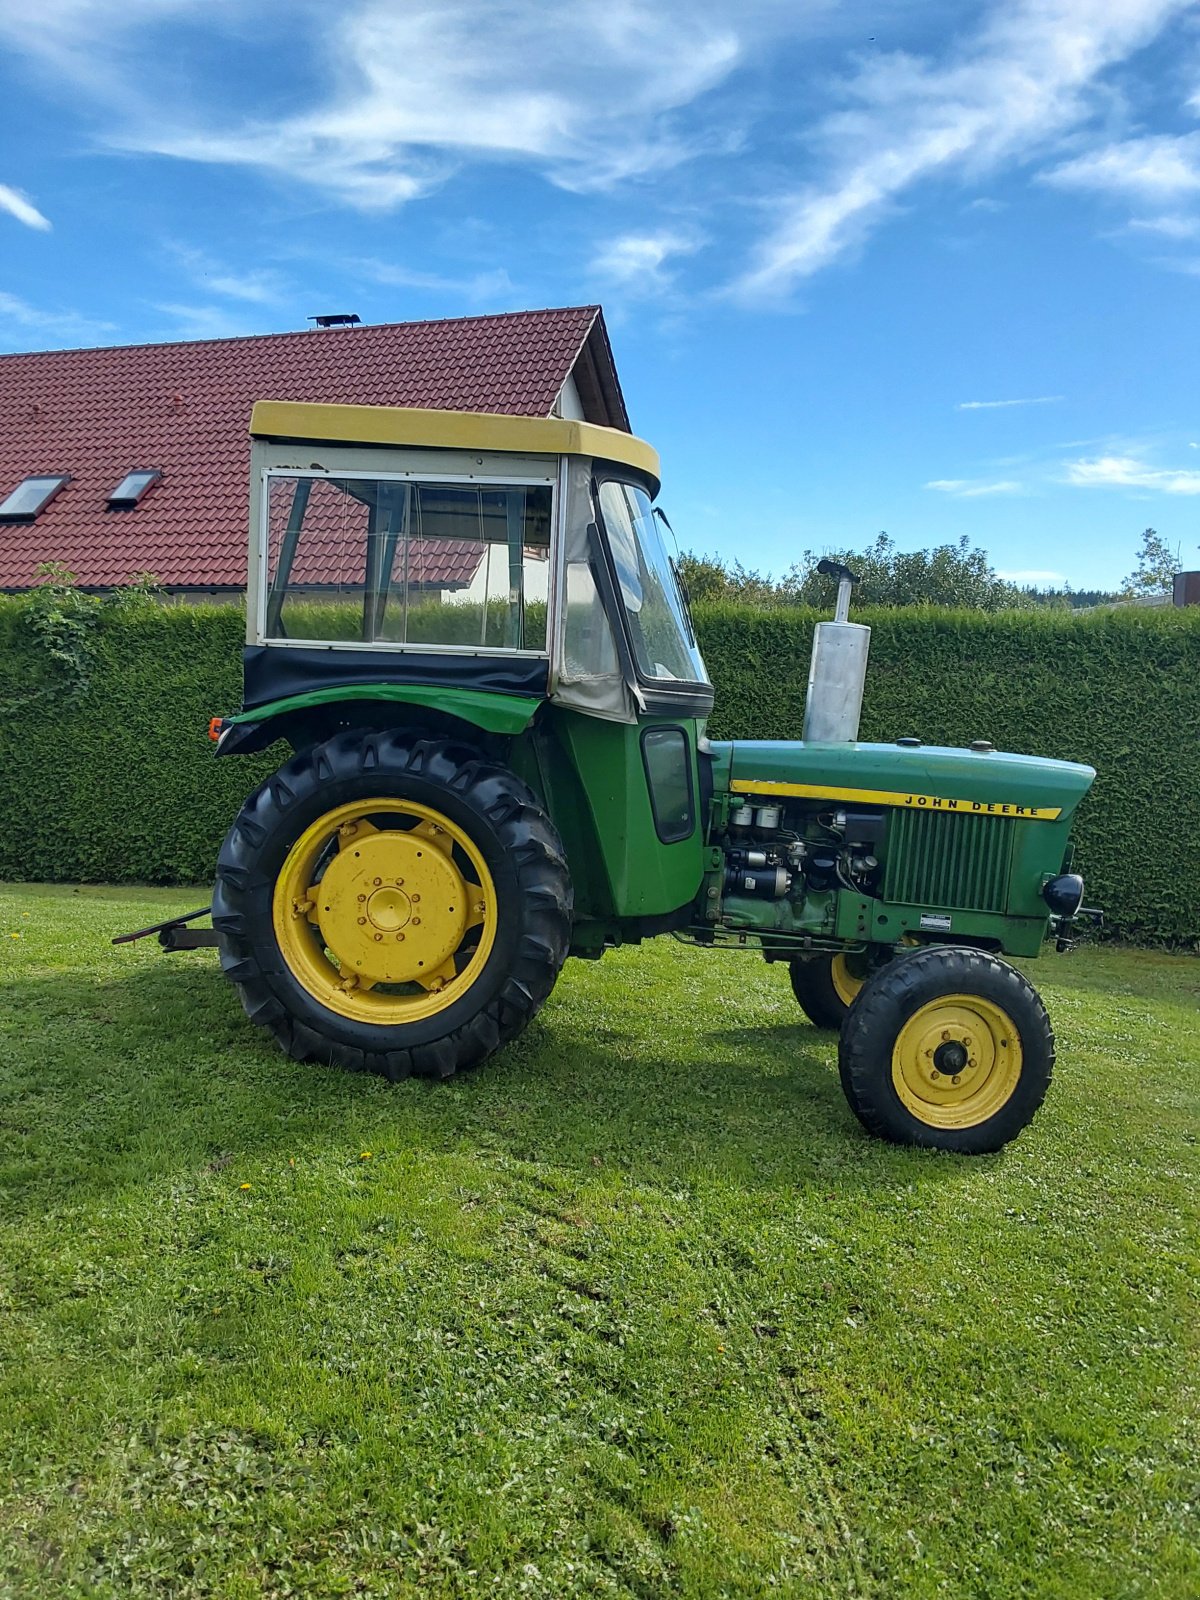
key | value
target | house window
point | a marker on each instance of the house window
(131, 489)
(31, 496)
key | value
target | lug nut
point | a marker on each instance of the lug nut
(957, 1078)
(399, 883)
(480, 907)
(378, 937)
(362, 899)
(416, 899)
(362, 922)
(399, 938)
(378, 881)
(966, 1039)
(416, 922)
(933, 1077)
(945, 1031)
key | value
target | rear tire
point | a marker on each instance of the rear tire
(393, 904)
(949, 1048)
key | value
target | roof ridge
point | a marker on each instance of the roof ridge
(311, 333)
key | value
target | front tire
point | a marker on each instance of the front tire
(827, 985)
(393, 904)
(950, 1048)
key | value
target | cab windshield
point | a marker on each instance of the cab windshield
(664, 646)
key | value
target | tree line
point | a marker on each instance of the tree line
(954, 574)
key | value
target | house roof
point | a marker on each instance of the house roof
(185, 408)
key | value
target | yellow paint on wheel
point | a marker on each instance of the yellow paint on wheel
(957, 1061)
(846, 983)
(385, 911)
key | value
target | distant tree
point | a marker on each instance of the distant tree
(710, 578)
(947, 575)
(1156, 568)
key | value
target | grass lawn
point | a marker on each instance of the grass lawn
(636, 1310)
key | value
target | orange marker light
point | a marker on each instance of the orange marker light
(215, 724)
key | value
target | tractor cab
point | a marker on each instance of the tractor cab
(414, 554)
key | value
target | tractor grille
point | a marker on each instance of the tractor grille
(938, 858)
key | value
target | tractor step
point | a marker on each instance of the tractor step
(174, 934)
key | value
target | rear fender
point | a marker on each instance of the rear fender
(489, 727)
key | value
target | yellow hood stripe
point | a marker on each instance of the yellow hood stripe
(896, 797)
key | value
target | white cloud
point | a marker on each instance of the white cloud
(22, 207)
(1157, 167)
(488, 287)
(1169, 226)
(1037, 577)
(999, 405)
(401, 92)
(973, 489)
(258, 285)
(48, 327)
(1127, 472)
(639, 260)
(1026, 77)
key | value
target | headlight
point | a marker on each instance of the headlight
(1064, 894)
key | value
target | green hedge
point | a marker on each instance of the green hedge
(106, 774)
(1117, 689)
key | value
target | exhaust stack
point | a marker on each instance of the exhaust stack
(837, 673)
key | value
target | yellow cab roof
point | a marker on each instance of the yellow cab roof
(451, 430)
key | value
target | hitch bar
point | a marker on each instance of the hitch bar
(174, 935)
(1089, 914)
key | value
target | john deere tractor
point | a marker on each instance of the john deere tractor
(469, 630)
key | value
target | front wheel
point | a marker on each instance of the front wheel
(827, 985)
(392, 903)
(950, 1048)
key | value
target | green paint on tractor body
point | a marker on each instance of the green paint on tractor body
(571, 655)
(473, 634)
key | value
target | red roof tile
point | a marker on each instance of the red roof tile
(185, 408)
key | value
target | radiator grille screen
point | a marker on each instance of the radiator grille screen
(951, 859)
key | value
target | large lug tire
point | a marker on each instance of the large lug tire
(826, 986)
(949, 1048)
(393, 904)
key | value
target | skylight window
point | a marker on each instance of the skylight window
(132, 487)
(31, 496)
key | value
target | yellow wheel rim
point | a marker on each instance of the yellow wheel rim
(957, 1061)
(385, 911)
(846, 983)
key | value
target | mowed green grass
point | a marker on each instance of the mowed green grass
(635, 1310)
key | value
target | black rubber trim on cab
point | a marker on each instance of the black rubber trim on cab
(275, 672)
(524, 856)
(890, 998)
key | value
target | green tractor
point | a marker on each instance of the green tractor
(469, 630)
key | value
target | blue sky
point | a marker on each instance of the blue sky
(910, 265)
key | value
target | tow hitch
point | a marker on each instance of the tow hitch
(174, 934)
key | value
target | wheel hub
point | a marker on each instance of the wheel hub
(950, 1058)
(389, 909)
(956, 1061)
(392, 907)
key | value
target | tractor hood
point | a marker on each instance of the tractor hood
(926, 777)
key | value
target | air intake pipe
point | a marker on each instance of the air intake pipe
(837, 673)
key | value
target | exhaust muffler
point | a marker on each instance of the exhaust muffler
(837, 673)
